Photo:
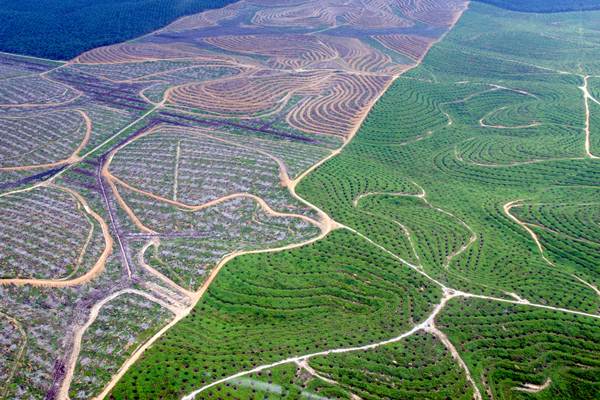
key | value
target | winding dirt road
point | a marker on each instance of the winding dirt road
(80, 331)
(325, 223)
(587, 97)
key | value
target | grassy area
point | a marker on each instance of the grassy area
(262, 308)
(507, 346)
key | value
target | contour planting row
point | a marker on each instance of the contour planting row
(168, 218)
(257, 300)
(354, 55)
(418, 367)
(138, 52)
(288, 381)
(576, 217)
(191, 244)
(122, 323)
(33, 139)
(32, 92)
(420, 145)
(506, 257)
(557, 171)
(330, 13)
(133, 70)
(201, 71)
(204, 19)
(507, 147)
(291, 51)
(415, 368)
(244, 96)
(412, 46)
(306, 15)
(268, 306)
(438, 13)
(46, 234)
(297, 156)
(376, 15)
(339, 107)
(512, 350)
(437, 237)
(337, 292)
(197, 72)
(194, 167)
(567, 231)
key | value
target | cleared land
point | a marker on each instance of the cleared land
(306, 199)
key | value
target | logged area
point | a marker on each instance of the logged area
(337, 199)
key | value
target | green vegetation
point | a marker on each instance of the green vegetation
(287, 381)
(111, 338)
(470, 171)
(567, 229)
(507, 346)
(418, 367)
(262, 308)
(64, 29)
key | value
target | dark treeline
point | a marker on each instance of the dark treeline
(545, 6)
(64, 29)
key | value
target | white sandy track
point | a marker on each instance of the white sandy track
(427, 325)
(303, 358)
(431, 328)
(594, 288)
(518, 203)
(193, 208)
(305, 366)
(423, 197)
(519, 300)
(326, 224)
(86, 155)
(197, 296)
(159, 275)
(587, 97)
(533, 388)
